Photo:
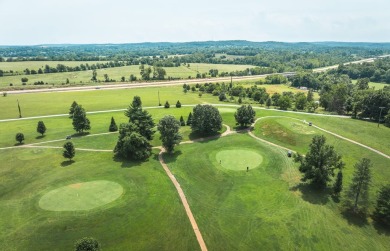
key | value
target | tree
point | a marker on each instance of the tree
(131, 144)
(24, 80)
(71, 109)
(142, 119)
(362, 83)
(357, 193)
(169, 131)
(300, 101)
(182, 122)
(338, 185)
(312, 106)
(94, 76)
(19, 137)
(206, 119)
(69, 151)
(268, 103)
(106, 78)
(41, 128)
(284, 102)
(178, 104)
(189, 119)
(310, 96)
(245, 115)
(222, 96)
(382, 208)
(87, 244)
(113, 127)
(319, 163)
(166, 105)
(80, 121)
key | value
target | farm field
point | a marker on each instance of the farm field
(35, 65)
(266, 207)
(84, 77)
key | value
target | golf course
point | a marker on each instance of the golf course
(233, 190)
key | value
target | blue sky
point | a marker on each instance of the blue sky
(119, 21)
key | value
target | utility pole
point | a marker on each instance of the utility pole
(380, 114)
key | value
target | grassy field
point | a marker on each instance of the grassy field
(265, 208)
(148, 216)
(19, 67)
(116, 73)
(377, 86)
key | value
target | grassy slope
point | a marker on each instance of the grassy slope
(264, 208)
(148, 216)
(114, 73)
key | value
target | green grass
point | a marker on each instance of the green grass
(375, 85)
(264, 208)
(35, 65)
(116, 73)
(239, 159)
(148, 216)
(297, 136)
(81, 196)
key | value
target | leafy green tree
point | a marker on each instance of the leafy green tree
(159, 73)
(357, 193)
(239, 100)
(113, 127)
(310, 96)
(106, 78)
(87, 244)
(268, 103)
(245, 115)
(167, 105)
(189, 119)
(131, 144)
(382, 208)
(123, 79)
(24, 80)
(141, 118)
(387, 120)
(178, 104)
(284, 102)
(169, 131)
(69, 150)
(80, 121)
(41, 128)
(338, 185)
(182, 122)
(312, 106)
(222, 96)
(319, 163)
(206, 119)
(362, 83)
(19, 137)
(300, 101)
(71, 109)
(94, 76)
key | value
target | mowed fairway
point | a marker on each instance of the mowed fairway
(263, 209)
(148, 215)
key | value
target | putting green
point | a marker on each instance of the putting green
(238, 159)
(81, 196)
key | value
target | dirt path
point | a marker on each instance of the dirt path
(183, 198)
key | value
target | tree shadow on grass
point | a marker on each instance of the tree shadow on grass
(353, 218)
(171, 157)
(204, 137)
(79, 134)
(19, 144)
(40, 137)
(312, 194)
(382, 228)
(66, 163)
(128, 163)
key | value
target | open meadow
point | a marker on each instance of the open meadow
(244, 193)
(115, 73)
